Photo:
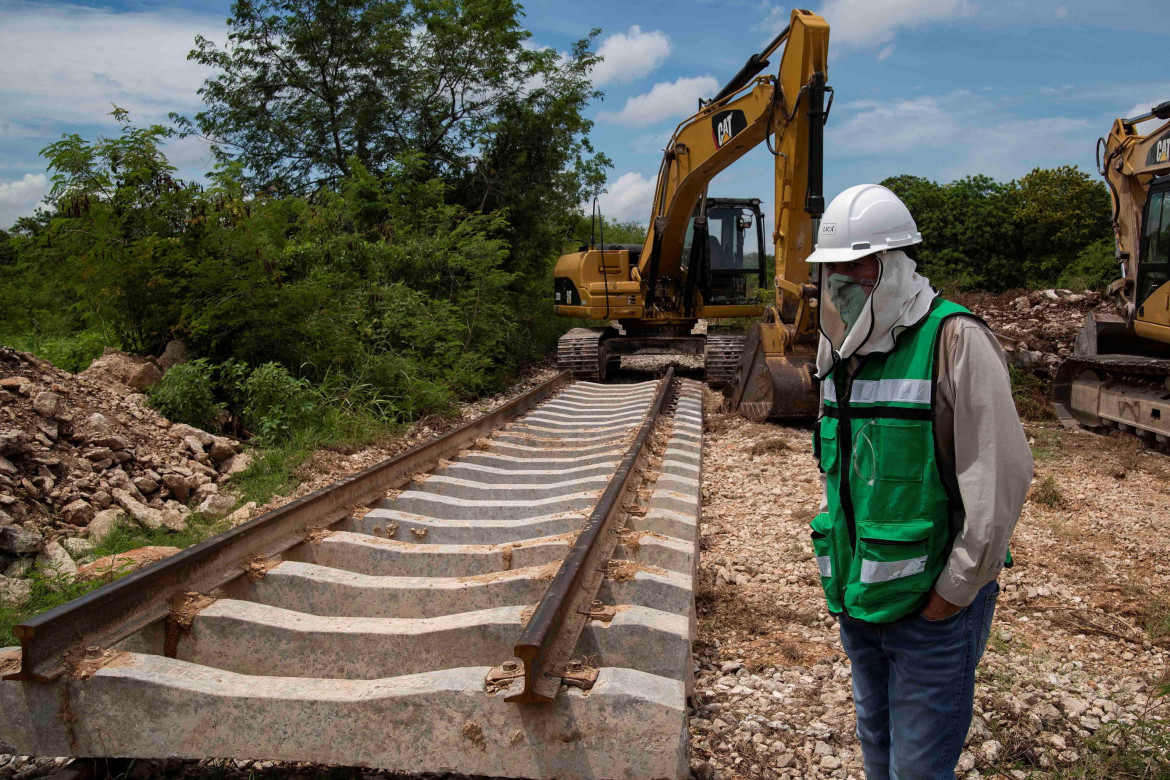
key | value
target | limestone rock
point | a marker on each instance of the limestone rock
(205, 490)
(175, 353)
(242, 515)
(13, 441)
(19, 568)
(14, 593)
(181, 431)
(173, 519)
(19, 540)
(221, 449)
(237, 464)
(56, 565)
(148, 518)
(112, 566)
(96, 426)
(46, 404)
(77, 512)
(179, 485)
(104, 523)
(6, 467)
(145, 484)
(77, 547)
(216, 506)
(144, 376)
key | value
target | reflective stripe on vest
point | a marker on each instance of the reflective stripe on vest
(884, 391)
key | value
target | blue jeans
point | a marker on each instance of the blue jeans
(914, 687)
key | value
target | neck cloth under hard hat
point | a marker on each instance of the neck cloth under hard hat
(900, 299)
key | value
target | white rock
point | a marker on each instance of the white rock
(104, 523)
(13, 592)
(56, 565)
(148, 518)
(216, 506)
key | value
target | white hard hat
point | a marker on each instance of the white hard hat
(862, 220)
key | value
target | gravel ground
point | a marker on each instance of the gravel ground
(1069, 652)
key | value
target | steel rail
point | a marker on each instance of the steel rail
(115, 611)
(551, 634)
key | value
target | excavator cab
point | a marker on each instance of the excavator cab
(733, 270)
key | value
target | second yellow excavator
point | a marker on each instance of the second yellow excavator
(1119, 374)
(702, 260)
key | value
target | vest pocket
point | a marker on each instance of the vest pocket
(822, 542)
(894, 560)
(827, 444)
(891, 450)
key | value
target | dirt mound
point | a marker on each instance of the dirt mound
(80, 454)
(1037, 329)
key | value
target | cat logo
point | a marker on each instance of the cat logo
(726, 125)
(1160, 151)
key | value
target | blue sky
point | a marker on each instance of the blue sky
(937, 88)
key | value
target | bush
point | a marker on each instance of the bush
(186, 394)
(1095, 267)
(278, 404)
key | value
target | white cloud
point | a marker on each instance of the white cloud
(863, 24)
(886, 52)
(954, 129)
(67, 64)
(890, 126)
(630, 55)
(1061, 12)
(666, 100)
(20, 198)
(630, 197)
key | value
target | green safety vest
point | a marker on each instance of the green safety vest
(886, 535)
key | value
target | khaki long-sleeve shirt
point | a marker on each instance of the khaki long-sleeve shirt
(978, 435)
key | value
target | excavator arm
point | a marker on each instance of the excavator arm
(789, 108)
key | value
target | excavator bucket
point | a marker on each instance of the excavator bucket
(772, 384)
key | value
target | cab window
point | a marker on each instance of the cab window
(1154, 268)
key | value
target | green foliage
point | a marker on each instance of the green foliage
(277, 403)
(72, 352)
(186, 394)
(1052, 227)
(1094, 267)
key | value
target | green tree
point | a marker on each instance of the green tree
(306, 84)
(1060, 211)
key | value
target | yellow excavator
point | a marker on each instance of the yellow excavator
(702, 260)
(1119, 374)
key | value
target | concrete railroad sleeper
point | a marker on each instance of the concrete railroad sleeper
(372, 623)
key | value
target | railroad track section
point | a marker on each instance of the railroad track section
(513, 599)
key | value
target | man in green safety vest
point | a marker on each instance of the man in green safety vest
(925, 467)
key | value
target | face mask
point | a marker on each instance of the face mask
(848, 296)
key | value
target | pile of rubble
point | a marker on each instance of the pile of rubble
(1039, 329)
(82, 454)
